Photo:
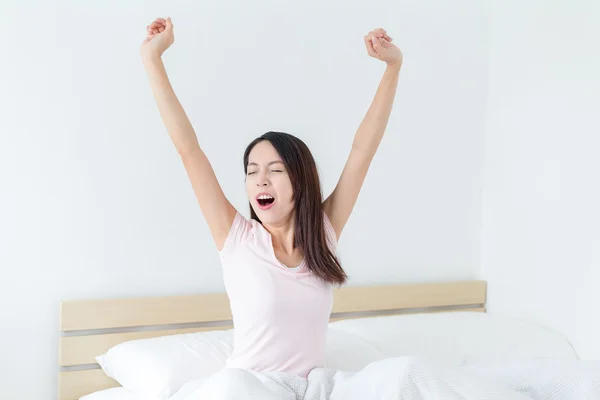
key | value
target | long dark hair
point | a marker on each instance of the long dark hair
(309, 233)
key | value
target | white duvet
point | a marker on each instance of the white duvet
(410, 378)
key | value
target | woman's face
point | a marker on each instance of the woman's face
(268, 184)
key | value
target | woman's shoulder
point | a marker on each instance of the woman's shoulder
(242, 230)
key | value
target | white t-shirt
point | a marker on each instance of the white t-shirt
(280, 314)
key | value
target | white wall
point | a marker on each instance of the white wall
(95, 203)
(540, 236)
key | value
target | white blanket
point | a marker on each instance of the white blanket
(409, 378)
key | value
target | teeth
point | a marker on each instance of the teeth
(265, 196)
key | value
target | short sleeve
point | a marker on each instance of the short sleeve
(330, 233)
(240, 230)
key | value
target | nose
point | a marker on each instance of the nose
(262, 180)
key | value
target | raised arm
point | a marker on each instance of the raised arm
(217, 210)
(338, 206)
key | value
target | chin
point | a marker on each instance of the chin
(266, 216)
(270, 216)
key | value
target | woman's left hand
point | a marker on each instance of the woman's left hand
(379, 45)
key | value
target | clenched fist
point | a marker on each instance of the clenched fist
(379, 45)
(159, 36)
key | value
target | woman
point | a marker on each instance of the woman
(279, 266)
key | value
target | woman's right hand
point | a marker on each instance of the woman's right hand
(159, 38)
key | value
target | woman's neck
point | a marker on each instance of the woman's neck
(282, 235)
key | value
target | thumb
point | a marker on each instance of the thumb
(169, 23)
(385, 44)
(376, 43)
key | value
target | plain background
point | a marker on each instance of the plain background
(540, 242)
(487, 169)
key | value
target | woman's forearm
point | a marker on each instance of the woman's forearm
(371, 130)
(172, 113)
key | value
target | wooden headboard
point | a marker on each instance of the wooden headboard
(90, 327)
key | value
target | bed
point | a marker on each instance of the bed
(407, 318)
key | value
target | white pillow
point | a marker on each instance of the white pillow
(348, 352)
(455, 338)
(155, 368)
(116, 393)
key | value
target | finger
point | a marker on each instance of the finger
(369, 39)
(369, 45)
(375, 34)
(385, 44)
(376, 44)
(387, 37)
(161, 29)
(169, 24)
(155, 24)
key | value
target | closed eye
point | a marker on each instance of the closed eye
(251, 173)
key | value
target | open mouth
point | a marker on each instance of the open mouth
(265, 201)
